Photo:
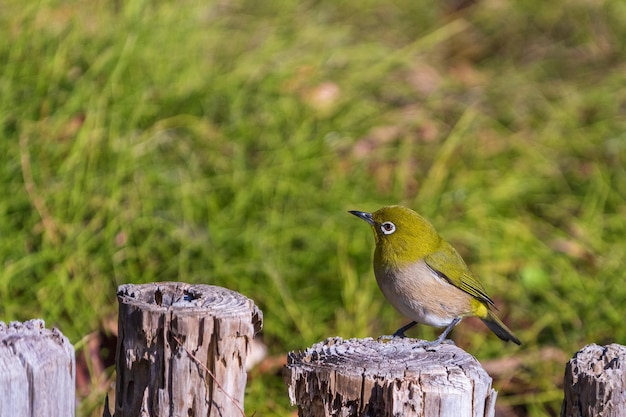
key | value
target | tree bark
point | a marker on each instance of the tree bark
(365, 377)
(37, 371)
(182, 350)
(595, 382)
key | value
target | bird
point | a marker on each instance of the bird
(424, 277)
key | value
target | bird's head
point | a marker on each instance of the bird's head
(402, 236)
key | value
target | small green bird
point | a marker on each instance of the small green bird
(424, 277)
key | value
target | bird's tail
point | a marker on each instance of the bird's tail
(495, 325)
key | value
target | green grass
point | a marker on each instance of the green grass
(223, 142)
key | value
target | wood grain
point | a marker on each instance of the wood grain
(37, 371)
(595, 382)
(182, 349)
(366, 377)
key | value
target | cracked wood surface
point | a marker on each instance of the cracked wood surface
(366, 377)
(595, 382)
(37, 371)
(182, 350)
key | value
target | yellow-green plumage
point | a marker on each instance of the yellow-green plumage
(423, 276)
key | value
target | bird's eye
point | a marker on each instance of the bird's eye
(388, 228)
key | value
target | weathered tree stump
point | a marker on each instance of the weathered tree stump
(365, 377)
(182, 350)
(595, 382)
(37, 371)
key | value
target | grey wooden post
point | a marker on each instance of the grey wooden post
(182, 350)
(595, 382)
(37, 371)
(366, 377)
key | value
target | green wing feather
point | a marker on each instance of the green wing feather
(449, 265)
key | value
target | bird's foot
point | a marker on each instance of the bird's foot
(388, 337)
(432, 345)
(399, 334)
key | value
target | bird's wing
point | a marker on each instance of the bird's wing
(448, 264)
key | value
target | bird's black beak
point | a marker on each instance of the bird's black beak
(363, 215)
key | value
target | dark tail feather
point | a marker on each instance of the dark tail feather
(495, 325)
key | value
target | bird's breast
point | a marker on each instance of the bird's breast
(419, 293)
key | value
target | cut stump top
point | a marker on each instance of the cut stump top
(189, 299)
(367, 377)
(394, 358)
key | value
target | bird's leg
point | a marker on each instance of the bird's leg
(448, 329)
(401, 330)
(442, 337)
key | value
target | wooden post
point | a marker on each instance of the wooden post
(182, 350)
(595, 382)
(365, 377)
(37, 371)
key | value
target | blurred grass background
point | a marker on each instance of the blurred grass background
(223, 141)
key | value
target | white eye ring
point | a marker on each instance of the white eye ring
(388, 228)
